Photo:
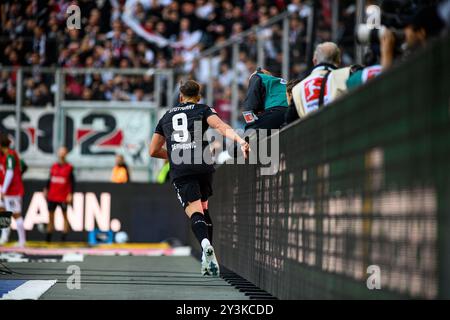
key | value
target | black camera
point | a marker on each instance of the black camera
(371, 35)
(394, 15)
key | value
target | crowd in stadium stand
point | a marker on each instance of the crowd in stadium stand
(153, 34)
(144, 34)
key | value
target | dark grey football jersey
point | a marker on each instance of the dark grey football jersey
(183, 127)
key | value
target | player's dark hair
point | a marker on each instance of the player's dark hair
(291, 84)
(190, 89)
(4, 140)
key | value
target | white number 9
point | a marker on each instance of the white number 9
(183, 127)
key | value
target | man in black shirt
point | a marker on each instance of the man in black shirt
(191, 169)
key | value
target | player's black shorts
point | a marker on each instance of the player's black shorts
(53, 205)
(193, 187)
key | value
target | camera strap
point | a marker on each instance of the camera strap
(322, 88)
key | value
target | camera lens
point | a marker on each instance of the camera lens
(366, 35)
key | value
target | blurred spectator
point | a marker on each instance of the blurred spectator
(226, 75)
(40, 96)
(163, 173)
(146, 34)
(120, 172)
(223, 103)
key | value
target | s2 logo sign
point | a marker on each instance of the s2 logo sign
(37, 131)
(98, 137)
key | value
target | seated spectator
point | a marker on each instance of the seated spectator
(311, 92)
(266, 98)
(120, 172)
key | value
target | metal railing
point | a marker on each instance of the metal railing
(23, 120)
(233, 44)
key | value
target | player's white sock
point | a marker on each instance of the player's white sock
(205, 243)
(20, 230)
(5, 235)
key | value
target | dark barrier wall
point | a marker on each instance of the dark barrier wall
(147, 212)
(363, 193)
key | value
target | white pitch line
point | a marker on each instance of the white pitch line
(181, 251)
(30, 290)
(72, 257)
(12, 257)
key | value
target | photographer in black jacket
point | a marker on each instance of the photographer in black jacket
(417, 28)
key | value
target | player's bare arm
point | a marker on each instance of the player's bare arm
(225, 130)
(157, 149)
